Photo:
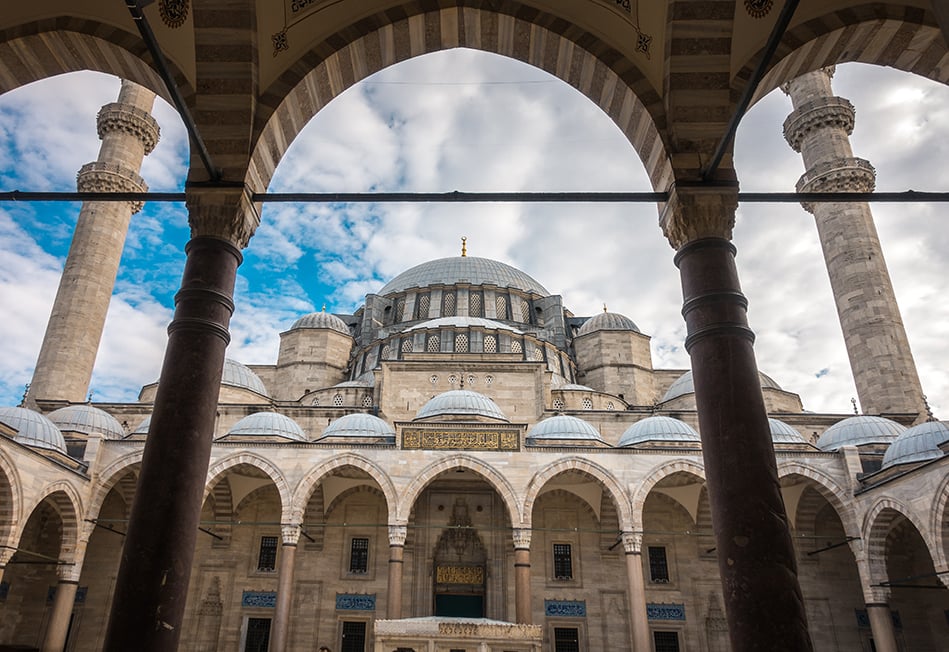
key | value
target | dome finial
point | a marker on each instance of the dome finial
(324, 307)
(464, 246)
(604, 306)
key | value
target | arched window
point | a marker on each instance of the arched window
(461, 343)
(434, 345)
(448, 304)
(421, 306)
(500, 306)
(475, 304)
(490, 344)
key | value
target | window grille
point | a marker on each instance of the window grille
(525, 312)
(338, 400)
(354, 636)
(500, 306)
(316, 402)
(563, 562)
(488, 379)
(448, 304)
(666, 641)
(461, 343)
(433, 344)
(516, 346)
(566, 639)
(386, 352)
(587, 404)
(421, 306)
(610, 406)
(658, 565)
(490, 344)
(407, 345)
(399, 309)
(359, 556)
(475, 305)
(538, 354)
(558, 404)
(367, 401)
(258, 635)
(267, 556)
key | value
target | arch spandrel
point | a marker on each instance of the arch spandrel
(110, 476)
(305, 488)
(607, 480)
(648, 483)
(492, 476)
(219, 469)
(605, 76)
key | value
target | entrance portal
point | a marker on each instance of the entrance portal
(460, 561)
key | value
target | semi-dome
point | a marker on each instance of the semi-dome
(461, 402)
(87, 419)
(563, 427)
(237, 375)
(859, 430)
(659, 429)
(360, 425)
(683, 385)
(917, 444)
(268, 424)
(321, 320)
(463, 269)
(782, 433)
(463, 322)
(608, 321)
(33, 429)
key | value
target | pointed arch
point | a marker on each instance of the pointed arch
(109, 477)
(67, 502)
(650, 481)
(491, 475)
(607, 77)
(940, 524)
(877, 525)
(11, 512)
(306, 486)
(619, 497)
(245, 458)
(832, 492)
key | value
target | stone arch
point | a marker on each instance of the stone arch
(354, 491)
(657, 474)
(829, 489)
(37, 50)
(491, 475)
(217, 471)
(580, 59)
(876, 526)
(110, 477)
(67, 502)
(940, 524)
(877, 33)
(619, 496)
(303, 491)
(10, 504)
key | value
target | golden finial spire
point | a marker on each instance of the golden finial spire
(464, 246)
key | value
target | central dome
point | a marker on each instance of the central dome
(463, 269)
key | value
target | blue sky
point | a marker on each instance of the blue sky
(462, 120)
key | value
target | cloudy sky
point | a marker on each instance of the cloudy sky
(463, 120)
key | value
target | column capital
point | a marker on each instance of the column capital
(522, 538)
(6, 554)
(633, 542)
(699, 211)
(290, 533)
(69, 572)
(223, 212)
(876, 595)
(397, 534)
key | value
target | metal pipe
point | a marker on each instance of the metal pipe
(832, 546)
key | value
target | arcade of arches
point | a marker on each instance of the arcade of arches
(462, 459)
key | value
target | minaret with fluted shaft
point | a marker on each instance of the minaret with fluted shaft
(128, 132)
(880, 358)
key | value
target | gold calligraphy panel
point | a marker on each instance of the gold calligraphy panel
(459, 575)
(465, 440)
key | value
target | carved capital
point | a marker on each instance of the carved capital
(290, 533)
(876, 594)
(397, 534)
(226, 213)
(701, 211)
(69, 572)
(633, 542)
(130, 120)
(99, 176)
(824, 112)
(6, 554)
(522, 538)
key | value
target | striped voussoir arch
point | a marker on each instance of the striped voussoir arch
(940, 526)
(10, 499)
(904, 38)
(552, 44)
(311, 484)
(879, 521)
(585, 467)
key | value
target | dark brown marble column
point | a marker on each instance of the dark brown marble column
(397, 534)
(522, 576)
(281, 622)
(763, 601)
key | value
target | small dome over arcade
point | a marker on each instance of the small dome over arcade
(237, 375)
(563, 428)
(321, 319)
(33, 429)
(461, 402)
(360, 426)
(608, 321)
(684, 385)
(917, 444)
(782, 433)
(859, 431)
(468, 270)
(659, 429)
(86, 419)
(267, 424)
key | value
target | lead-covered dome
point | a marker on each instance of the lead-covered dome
(858, 431)
(321, 320)
(87, 420)
(33, 429)
(659, 429)
(462, 402)
(237, 375)
(608, 321)
(268, 424)
(917, 444)
(684, 385)
(563, 427)
(360, 425)
(782, 433)
(463, 269)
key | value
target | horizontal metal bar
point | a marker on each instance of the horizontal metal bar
(832, 546)
(908, 196)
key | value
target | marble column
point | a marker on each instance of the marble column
(397, 534)
(881, 624)
(757, 564)
(522, 576)
(6, 554)
(633, 545)
(58, 626)
(280, 635)
(155, 569)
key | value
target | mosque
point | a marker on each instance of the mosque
(462, 463)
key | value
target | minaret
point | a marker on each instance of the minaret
(880, 358)
(128, 132)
